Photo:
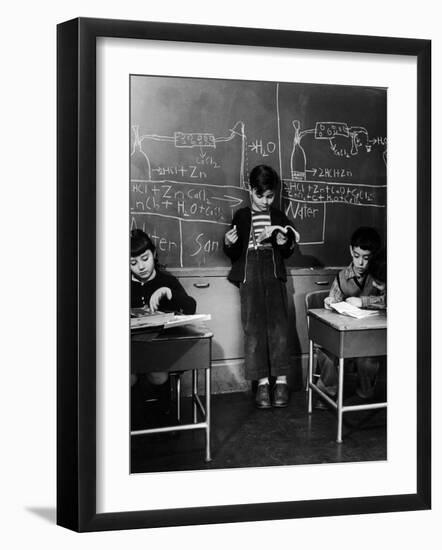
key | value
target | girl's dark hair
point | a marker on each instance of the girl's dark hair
(140, 242)
(367, 238)
(378, 266)
(263, 178)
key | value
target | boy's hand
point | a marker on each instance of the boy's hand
(231, 236)
(281, 238)
(155, 299)
(265, 234)
(327, 302)
(354, 301)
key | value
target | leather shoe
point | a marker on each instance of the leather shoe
(262, 397)
(320, 404)
(280, 395)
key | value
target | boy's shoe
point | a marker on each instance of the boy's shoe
(281, 395)
(262, 397)
(320, 404)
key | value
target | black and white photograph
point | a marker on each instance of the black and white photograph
(242, 214)
(258, 273)
(224, 220)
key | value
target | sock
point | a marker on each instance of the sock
(281, 380)
(263, 381)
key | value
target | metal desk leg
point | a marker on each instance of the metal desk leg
(178, 398)
(340, 396)
(310, 376)
(208, 419)
(194, 394)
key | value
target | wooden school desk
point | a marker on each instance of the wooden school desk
(345, 337)
(178, 349)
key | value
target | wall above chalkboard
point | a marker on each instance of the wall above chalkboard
(194, 142)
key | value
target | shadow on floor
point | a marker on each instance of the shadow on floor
(243, 436)
(48, 514)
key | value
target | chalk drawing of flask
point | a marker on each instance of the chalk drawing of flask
(297, 159)
(139, 161)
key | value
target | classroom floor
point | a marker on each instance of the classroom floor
(243, 436)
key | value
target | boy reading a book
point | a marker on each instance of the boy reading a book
(260, 238)
(362, 284)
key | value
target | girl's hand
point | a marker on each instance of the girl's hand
(354, 301)
(160, 293)
(231, 236)
(281, 238)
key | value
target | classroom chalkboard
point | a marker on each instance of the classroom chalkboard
(193, 143)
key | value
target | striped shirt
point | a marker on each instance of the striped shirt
(259, 221)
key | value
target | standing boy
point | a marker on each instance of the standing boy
(257, 250)
(357, 286)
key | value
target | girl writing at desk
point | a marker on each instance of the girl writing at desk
(158, 290)
(151, 286)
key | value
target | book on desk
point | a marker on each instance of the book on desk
(344, 308)
(144, 319)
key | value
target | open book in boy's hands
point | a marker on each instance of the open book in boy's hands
(352, 311)
(269, 229)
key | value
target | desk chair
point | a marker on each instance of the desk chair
(174, 394)
(313, 300)
(175, 388)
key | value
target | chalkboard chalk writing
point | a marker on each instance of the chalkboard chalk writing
(205, 244)
(331, 173)
(330, 192)
(195, 141)
(327, 130)
(312, 217)
(183, 200)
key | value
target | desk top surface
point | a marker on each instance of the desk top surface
(184, 332)
(343, 322)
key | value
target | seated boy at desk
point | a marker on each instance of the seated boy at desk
(159, 290)
(362, 284)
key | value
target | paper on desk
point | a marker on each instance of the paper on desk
(145, 318)
(179, 320)
(344, 308)
(141, 318)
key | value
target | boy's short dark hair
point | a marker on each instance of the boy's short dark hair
(139, 243)
(366, 238)
(263, 178)
(378, 266)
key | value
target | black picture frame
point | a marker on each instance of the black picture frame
(76, 274)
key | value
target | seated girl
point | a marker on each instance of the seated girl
(158, 290)
(151, 286)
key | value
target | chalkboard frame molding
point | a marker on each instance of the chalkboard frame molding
(76, 294)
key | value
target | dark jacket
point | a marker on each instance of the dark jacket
(181, 302)
(238, 251)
